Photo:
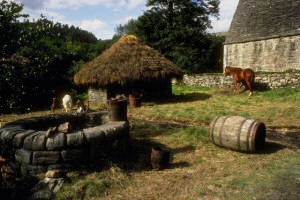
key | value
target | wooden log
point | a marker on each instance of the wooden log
(238, 133)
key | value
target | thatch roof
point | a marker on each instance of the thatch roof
(264, 19)
(127, 61)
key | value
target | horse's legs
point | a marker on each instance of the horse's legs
(249, 84)
(234, 87)
(239, 85)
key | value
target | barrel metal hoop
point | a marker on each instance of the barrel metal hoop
(239, 135)
(253, 135)
(221, 130)
(248, 134)
(213, 128)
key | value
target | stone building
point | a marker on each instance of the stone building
(128, 66)
(264, 35)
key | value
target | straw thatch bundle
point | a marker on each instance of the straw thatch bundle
(126, 62)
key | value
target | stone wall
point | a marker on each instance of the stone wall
(262, 80)
(278, 54)
(92, 140)
(97, 94)
(149, 89)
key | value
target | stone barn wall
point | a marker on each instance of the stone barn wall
(264, 35)
(278, 54)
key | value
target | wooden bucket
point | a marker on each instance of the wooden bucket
(238, 133)
(160, 157)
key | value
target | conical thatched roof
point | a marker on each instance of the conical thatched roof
(126, 61)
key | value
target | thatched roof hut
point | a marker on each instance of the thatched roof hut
(127, 61)
(126, 64)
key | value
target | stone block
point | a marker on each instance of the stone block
(77, 156)
(54, 174)
(62, 167)
(35, 141)
(56, 142)
(51, 131)
(46, 189)
(92, 119)
(20, 137)
(75, 139)
(8, 134)
(32, 169)
(115, 130)
(104, 119)
(39, 141)
(65, 127)
(97, 152)
(45, 157)
(282, 81)
(94, 135)
(23, 156)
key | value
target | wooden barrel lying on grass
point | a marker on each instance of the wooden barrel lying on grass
(238, 133)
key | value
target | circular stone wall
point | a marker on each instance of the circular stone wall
(93, 139)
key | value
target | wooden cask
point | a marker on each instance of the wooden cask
(238, 133)
(117, 109)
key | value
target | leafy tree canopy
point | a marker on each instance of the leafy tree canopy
(177, 28)
(10, 33)
(38, 59)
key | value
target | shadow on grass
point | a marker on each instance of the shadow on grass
(261, 87)
(190, 97)
(138, 157)
(271, 147)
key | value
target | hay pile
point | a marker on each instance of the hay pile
(125, 62)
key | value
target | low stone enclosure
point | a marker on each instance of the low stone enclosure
(93, 139)
(262, 80)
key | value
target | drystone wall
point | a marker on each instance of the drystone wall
(272, 55)
(93, 139)
(262, 80)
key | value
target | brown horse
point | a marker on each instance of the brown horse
(241, 76)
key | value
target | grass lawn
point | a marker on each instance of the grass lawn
(198, 169)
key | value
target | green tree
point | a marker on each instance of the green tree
(37, 59)
(10, 31)
(177, 28)
(128, 28)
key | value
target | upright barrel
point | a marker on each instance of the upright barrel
(238, 133)
(135, 100)
(117, 109)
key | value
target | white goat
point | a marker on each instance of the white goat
(67, 102)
